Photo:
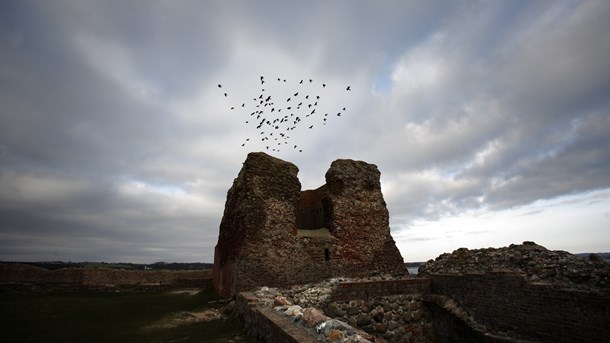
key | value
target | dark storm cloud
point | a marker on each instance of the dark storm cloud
(61, 115)
(115, 142)
(502, 127)
(582, 165)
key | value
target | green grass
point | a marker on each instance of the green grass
(94, 316)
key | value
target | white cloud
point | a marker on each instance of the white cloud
(549, 223)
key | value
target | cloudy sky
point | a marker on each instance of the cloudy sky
(489, 120)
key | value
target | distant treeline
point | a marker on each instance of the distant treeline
(54, 265)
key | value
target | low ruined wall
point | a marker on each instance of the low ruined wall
(266, 325)
(388, 309)
(78, 277)
(369, 289)
(505, 302)
(395, 318)
(97, 277)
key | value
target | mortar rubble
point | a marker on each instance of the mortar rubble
(536, 263)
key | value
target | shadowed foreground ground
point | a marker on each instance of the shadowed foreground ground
(102, 316)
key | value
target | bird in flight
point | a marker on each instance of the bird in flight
(270, 119)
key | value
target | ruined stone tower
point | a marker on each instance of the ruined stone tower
(274, 234)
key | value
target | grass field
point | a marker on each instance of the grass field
(96, 316)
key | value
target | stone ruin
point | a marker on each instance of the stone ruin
(521, 293)
(287, 253)
(274, 234)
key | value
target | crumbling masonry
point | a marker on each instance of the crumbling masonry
(274, 234)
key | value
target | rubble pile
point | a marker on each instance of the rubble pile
(533, 261)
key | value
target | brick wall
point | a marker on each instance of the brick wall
(505, 302)
(369, 289)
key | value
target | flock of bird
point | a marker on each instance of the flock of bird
(278, 119)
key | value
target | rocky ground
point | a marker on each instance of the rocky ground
(534, 261)
(397, 318)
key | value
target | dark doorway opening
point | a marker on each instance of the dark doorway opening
(310, 210)
(326, 254)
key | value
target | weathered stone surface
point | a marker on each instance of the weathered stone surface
(363, 319)
(416, 315)
(258, 218)
(270, 232)
(368, 328)
(333, 311)
(358, 217)
(280, 301)
(378, 316)
(333, 324)
(536, 263)
(381, 327)
(353, 310)
(375, 324)
(294, 311)
(335, 336)
(313, 317)
(367, 307)
(357, 339)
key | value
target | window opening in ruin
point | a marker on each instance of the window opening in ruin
(326, 254)
(310, 210)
